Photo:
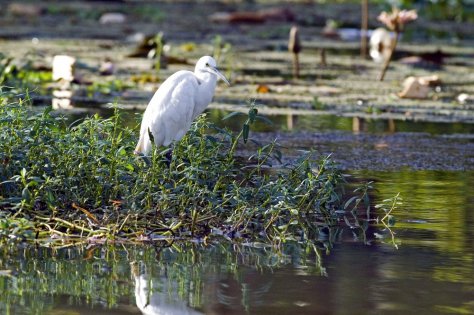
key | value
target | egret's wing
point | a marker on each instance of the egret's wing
(169, 113)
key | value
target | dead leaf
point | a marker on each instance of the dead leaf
(262, 88)
(87, 213)
(89, 254)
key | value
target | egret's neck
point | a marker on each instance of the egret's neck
(207, 85)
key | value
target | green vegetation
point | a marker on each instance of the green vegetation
(317, 104)
(107, 87)
(224, 55)
(21, 75)
(83, 181)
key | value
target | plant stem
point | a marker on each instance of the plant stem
(234, 144)
(364, 26)
(296, 66)
(390, 54)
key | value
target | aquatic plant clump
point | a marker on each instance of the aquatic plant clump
(83, 181)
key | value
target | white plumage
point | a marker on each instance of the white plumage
(177, 102)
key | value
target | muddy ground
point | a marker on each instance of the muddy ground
(254, 57)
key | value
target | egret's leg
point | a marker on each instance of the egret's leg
(168, 154)
(145, 158)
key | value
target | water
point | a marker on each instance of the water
(291, 123)
(432, 272)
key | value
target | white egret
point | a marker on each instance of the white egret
(177, 102)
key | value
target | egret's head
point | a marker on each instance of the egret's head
(208, 64)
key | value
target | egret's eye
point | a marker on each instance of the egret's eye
(207, 64)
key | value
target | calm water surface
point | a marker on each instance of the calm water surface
(311, 123)
(432, 272)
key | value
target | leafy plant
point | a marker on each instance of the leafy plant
(223, 54)
(388, 220)
(21, 76)
(15, 229)
(83, 181)
(109, 87)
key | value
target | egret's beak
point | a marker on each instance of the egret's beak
(220, 75)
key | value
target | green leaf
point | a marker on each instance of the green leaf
(26, 195)
(348, 202)
(121, 152)
(252, 115)
(231, 115)
(278, 155)
(264, 119)
(391, 220)
(245, 132)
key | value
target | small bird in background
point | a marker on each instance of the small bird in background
(177, 102)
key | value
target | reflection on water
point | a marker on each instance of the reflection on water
(290, 122)
(159, 295)
(62, 99)
(432, 272)
(323, 123)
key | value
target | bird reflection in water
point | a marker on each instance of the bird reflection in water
(221, 293)
(159, 295)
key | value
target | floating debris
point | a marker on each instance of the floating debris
(426, 60)
(25, 9)
(465, 98)
(261, 16)
(107, 67)
(380, 44)
(413, 88)
(62, 99)
(63, 68)
(113, 18)
(418, 87)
